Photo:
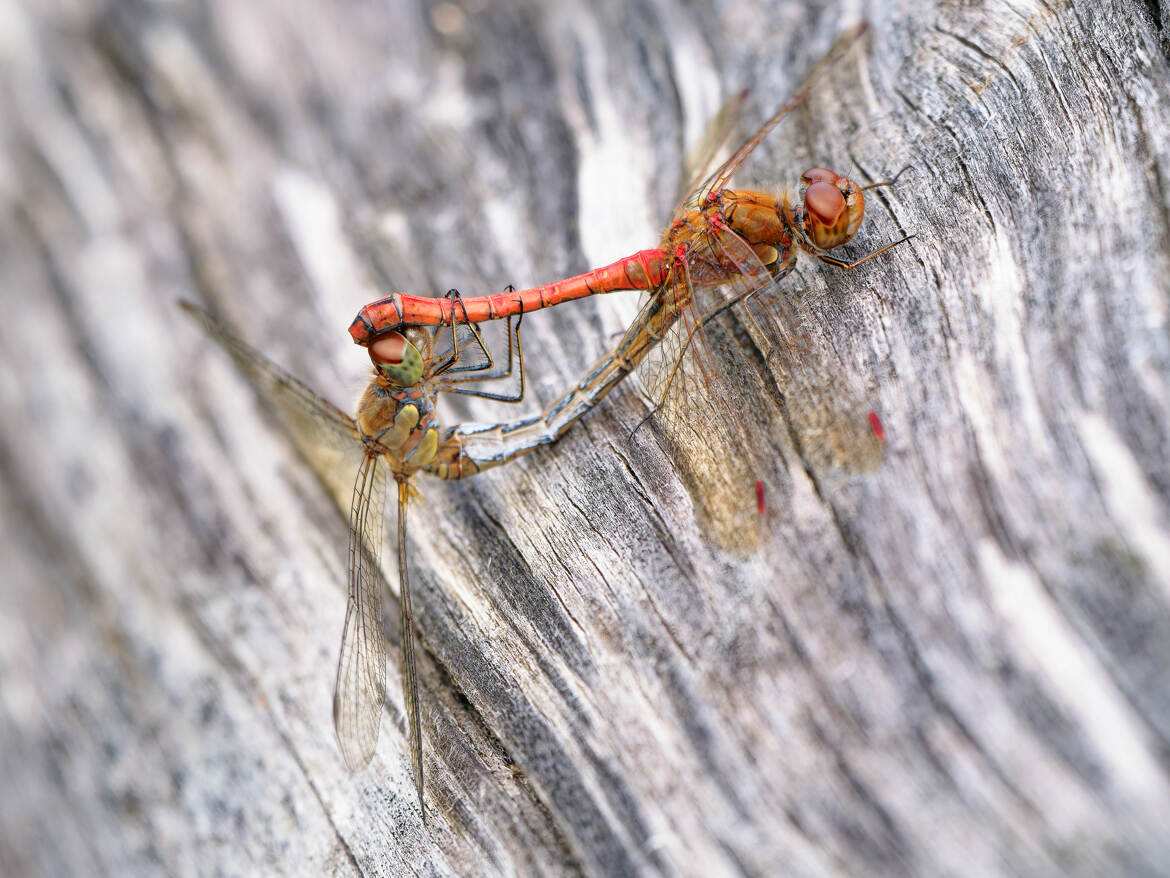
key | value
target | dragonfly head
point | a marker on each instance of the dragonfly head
(833, 207)
(397, 359)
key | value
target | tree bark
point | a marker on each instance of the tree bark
(951, 663)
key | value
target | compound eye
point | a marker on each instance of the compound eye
(388, 350)
(397, 359)
(819, 175)
(824, 202)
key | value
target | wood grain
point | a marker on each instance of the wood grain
(952, 664)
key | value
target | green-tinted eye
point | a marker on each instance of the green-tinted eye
(397, 359)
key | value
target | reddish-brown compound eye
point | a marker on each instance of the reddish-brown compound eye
(387, 350)
(397, 359)
(833, 208)
(819, 175)
(824, 202)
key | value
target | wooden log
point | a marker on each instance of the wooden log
(952, 663)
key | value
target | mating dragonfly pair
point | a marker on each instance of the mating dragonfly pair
(723, 247)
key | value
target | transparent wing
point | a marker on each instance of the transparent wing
(406, 649)
(844, 42)
(698, 162)
(326, 436)
(702, 390)
(832, 423)
(360, 694)
(836, 428)
(718, 271)
(330, 440)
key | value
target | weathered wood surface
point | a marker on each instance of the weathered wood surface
(955, 664)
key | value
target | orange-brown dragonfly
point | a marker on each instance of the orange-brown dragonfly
(723, 247)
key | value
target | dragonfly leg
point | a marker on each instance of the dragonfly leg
(464, 332)
(515, 354)
(889, 182)
(452, 360)
(848, 266)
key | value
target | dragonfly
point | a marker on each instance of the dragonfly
(394, 435)
(723, 247)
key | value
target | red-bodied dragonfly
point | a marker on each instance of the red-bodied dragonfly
(394, 434)
(723, 247)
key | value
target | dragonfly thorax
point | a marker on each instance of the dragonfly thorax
(399, 423)
(756, 217)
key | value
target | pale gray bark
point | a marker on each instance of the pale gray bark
(955, 663)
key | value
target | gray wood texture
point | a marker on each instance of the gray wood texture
(956, 663)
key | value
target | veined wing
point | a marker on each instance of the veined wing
(836, 429)
(406, 650)
(722, 176)
(697, 164)
(326, 436)
(701, 384)
(330, 440)
(702, 389)
(833, 427)
(360, 694)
